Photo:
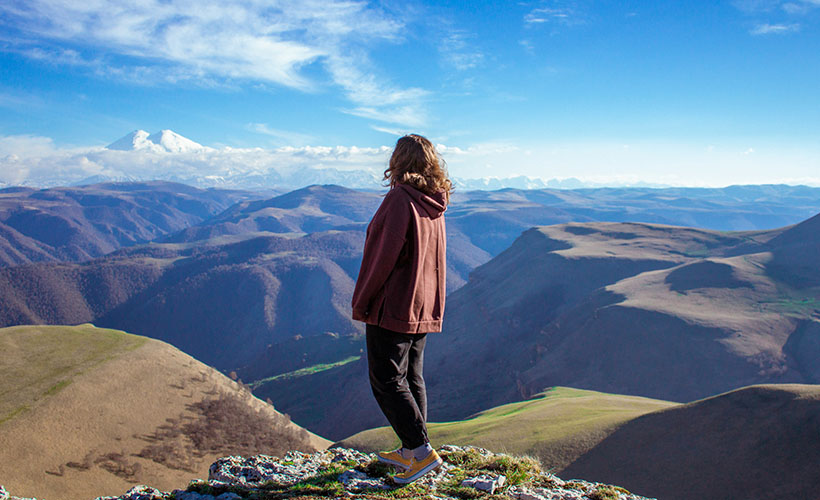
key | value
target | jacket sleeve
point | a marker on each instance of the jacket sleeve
(383, 244)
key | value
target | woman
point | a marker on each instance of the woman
(400, 296)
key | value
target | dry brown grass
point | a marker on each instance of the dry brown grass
(225, 425)
(153, 415)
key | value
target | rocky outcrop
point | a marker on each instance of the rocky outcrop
(467, 473)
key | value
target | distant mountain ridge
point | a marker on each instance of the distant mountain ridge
(664, 312)
(269, 282)
(80, 223)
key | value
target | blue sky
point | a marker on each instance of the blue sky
(683, 93)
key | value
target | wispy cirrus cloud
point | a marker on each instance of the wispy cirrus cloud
(777, 17)
(458, 50)
(374, 98)
(219, 42)
(555, 12)
(773, 6)
(390, 131)
(774, 29)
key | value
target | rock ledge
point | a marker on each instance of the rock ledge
(467, 473)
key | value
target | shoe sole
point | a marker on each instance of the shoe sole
(392, 462)
(432, 466)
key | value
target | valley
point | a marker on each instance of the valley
(573, 317)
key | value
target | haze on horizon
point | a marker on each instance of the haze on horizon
(697, 94)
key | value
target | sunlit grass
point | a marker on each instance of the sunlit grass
(553, 425)
(40, 361)
(301, 372)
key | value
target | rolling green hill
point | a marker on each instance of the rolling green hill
(760, 442)
(556, 426)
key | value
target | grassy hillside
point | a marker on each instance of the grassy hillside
(760, 442)
(89, 411)
(39, 362)
(556, 426)
(223, 303)
(664, 312)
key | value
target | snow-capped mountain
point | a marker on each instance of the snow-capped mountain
(164, 141)
(166, 155)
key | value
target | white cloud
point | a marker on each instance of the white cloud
(36, 161)
(769, 6)
(781, 17)
(375, 99)
(554, 12)
(31, 160)
(220, 42)
(774, 29)
(25, 146)
(391, 131)
(458, 51)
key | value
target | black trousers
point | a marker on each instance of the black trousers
(395, 362)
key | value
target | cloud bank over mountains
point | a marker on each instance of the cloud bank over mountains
(165, 155)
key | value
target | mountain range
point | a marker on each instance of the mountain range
(80, 223)
(659, 311)
(268, 281)
(295, 252)
(701, 292)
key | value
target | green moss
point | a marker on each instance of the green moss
(471, 462)
(459, 491)
(603, 493)
(325, 490)
(375, 468)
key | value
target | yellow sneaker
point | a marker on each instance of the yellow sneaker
(419, 468)
(394, 458)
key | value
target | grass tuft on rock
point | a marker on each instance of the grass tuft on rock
(474, 461)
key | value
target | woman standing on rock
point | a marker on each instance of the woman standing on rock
(400, 295)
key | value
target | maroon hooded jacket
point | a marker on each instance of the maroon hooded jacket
(401, 284)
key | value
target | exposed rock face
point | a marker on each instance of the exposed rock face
(485, 482)
(343, 472)
(293, 468)
(348, 473)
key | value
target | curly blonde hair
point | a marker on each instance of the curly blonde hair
(416, 162)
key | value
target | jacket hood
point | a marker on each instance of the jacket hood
(435, 205)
